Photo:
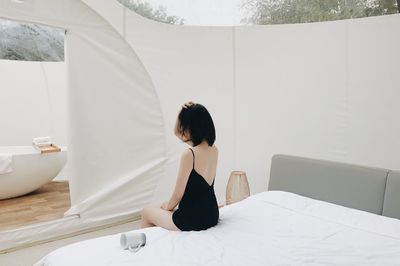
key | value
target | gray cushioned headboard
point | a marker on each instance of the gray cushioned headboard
(391, 206)
(353, 186)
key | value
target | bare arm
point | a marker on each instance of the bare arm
(185, 168)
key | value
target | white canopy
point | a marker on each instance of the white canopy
(325, 90)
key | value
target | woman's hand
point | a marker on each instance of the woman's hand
(187, 104)
(164, 206)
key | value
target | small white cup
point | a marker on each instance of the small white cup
(132, 241)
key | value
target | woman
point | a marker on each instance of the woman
(194, 188)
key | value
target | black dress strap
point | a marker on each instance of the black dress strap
(193, 156)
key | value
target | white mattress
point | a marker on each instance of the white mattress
(269, 228)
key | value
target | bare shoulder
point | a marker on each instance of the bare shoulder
(215, 148)
(187, 157)
(186, 154)
(214, 151)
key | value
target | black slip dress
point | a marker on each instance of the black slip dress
(198, 208)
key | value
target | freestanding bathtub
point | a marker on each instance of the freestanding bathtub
(31, 169)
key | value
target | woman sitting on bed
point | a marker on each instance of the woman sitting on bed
(194, 189)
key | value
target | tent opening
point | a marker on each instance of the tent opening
(33, 90)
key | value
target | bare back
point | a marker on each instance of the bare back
(206, 159)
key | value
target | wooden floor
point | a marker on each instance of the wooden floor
(47, 203)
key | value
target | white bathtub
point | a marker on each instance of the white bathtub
(31, 169)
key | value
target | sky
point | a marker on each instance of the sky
(203, 12)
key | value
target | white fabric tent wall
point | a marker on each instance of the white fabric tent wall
(33, 103)
(116, 144)
(120, 115)
(373, 82)
(300, 85)
(185, 63)
(298, 89)
(185, 66)
(326, 90)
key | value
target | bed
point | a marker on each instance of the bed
(275, 227)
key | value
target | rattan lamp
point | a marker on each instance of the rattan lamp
(237, 188)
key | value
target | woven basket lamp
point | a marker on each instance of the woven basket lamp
(237, 188)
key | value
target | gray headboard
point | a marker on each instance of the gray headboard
(391, 206)
(365, 188)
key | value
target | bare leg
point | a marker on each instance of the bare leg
(145, 222)
(155, 216)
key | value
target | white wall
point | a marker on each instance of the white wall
(184, 67)
(291, 90)
(374, 91)
(110, 97)
(324, 90)
(115, 130)
(32, 103)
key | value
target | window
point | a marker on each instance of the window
(261, 12)
(301, 11)
(30, 42)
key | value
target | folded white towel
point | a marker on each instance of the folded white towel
(42, 144)
(42, 140)
(5, 163)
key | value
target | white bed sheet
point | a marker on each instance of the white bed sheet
(269, 228)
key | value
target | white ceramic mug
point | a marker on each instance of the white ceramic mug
(132, 241)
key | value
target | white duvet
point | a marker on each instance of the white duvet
(269, 228)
